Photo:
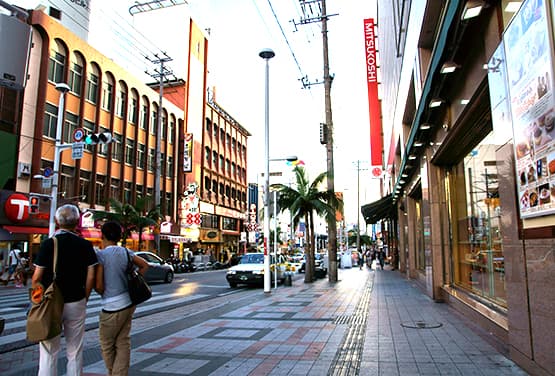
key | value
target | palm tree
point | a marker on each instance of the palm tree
(131, 217)
(303, 203)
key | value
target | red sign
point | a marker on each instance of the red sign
(16, 208)
(376, 142)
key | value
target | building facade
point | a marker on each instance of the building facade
(103, 97)
(468, 119)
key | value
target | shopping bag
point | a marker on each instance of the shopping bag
(44, 320)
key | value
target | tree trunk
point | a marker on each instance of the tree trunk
(309, 254)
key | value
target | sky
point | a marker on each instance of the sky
(237, 30)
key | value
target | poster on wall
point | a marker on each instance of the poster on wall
(530, 80)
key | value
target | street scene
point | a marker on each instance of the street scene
(305, 187)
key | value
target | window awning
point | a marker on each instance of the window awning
(378, 210)
(25, 229)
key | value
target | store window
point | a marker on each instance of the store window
(478, 256)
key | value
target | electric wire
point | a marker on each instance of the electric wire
(286, 40)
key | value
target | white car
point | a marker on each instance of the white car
(250, 270)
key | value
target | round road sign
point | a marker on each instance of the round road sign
(78, 134)
(48, 172)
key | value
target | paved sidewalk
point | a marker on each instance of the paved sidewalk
(369, 323)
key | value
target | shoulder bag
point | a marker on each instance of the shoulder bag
(44, 320)
(139, 290)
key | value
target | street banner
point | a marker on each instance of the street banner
(376, 141)
(188, 153)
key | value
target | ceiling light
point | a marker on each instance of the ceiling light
(412, 157)
(472, 9)
(404, 175)
(464, 102)
(418, 143)
(425, 126)
(436, 102)
(449, 67)
(513, 6)
(401, 181)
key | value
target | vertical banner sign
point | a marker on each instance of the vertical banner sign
(529, 63)
(376, 142)
(188, 153)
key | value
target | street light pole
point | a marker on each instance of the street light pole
(63, 89)
(267, 54)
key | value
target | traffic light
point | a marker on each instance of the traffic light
(34, 204)
(323, 133)
(98, 138)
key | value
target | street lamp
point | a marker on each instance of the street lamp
(63, 89)
(267, 54)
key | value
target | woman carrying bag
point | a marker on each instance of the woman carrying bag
(117, 308)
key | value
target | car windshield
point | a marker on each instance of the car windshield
(252, 259)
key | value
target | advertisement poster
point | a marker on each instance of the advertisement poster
(530, 80)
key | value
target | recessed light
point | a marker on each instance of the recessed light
(425, 126)
(436, 102)
(418, 144)
(464, 102)
(472, 9)
(412, 157)
(513, 6)
(449, 67)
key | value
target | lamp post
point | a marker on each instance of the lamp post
(267, 54)
(63, 89)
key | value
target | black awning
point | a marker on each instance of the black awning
(378, 210)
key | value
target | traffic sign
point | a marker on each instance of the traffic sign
(78, 134)
(48, 172)
(77, 150)
(47, 183)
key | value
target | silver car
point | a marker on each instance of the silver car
(158, 269)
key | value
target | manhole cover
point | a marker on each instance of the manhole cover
(421, 325)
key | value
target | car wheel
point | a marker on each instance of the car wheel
(169, 277)
(232, 284)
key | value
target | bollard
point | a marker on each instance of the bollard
(288, 280)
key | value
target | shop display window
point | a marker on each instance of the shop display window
(478, 259)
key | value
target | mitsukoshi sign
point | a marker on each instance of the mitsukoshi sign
(376, 143)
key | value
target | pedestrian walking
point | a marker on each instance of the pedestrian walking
(381, 257)
(14, 260)
(117, 309)
(75, 278)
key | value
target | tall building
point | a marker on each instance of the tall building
(104, 97)
(468, 129)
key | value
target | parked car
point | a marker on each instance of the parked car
(158, 269)
(250, 270)
(320, 265)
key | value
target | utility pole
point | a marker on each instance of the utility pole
(159, 74)
(358, 162)
(309, 8)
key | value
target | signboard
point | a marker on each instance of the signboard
(188, 153)
(529, 66)
(376, 140)
(46, 183)
(77, 150)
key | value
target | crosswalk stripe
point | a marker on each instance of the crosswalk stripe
(94, 306)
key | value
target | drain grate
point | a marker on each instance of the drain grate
(348, 358)
(421, 325)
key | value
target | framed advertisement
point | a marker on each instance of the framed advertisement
(529, 64)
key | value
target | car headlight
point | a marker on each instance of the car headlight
(231, 272)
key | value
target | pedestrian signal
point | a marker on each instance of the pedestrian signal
(98, 138)
(34, 204)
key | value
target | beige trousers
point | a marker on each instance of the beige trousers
(115, 341)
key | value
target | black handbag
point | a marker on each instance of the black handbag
(139, 290)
